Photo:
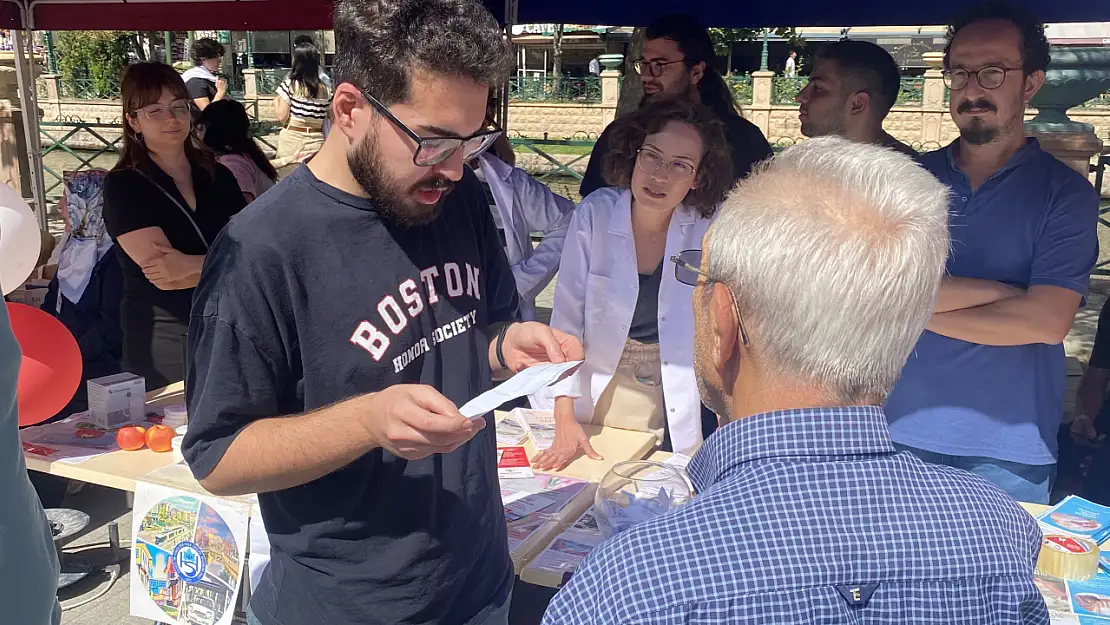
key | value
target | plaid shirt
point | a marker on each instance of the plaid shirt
(810, 516)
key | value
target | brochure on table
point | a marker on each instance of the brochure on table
(1072, 602)
(75, 439)
(188, 552)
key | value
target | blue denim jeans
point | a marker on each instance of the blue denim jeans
(499, 616)
(1031, 483)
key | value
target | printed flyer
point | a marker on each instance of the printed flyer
(188, 552)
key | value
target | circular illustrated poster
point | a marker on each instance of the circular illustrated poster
(187, 561)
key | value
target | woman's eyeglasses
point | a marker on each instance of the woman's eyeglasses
(687, 270)
(432, 151)
(651, 161)
(178, 109)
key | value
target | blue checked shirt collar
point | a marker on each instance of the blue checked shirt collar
(818, 433)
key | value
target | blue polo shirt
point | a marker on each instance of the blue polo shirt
(1031, 223)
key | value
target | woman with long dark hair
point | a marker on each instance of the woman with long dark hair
(302, 105)
(164, 203)
(226, 130)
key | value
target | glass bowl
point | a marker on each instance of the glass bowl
(637, 491)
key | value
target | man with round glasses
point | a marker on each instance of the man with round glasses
(342, 318)
(677, 62)
(984, 388)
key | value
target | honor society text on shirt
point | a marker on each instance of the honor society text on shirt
(394, 316)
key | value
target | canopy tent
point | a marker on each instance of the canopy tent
(316, 14)
(27, 15)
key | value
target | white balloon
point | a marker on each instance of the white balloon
(20, 240)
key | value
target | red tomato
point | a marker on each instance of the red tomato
(131, 437)
(160, 438)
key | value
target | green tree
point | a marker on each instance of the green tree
(92, 61)
(723, 38)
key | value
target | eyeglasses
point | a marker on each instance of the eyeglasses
(990, 77)
(161, 112)
(651, 161)
(687, 270)
(654, 68)
(432, 151)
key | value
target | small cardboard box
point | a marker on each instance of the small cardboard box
(116, 399)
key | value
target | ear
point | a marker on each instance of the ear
(132, 122)
(697, 72)
(858, 103)
(1033, 84)
(348, 105)
(724, 329)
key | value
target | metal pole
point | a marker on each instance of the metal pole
(167, 46)
(51, 53)
(511, 7)
(30, 110)
(763, 54)
(250, 49)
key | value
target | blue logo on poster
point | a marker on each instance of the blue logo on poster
(189, 562)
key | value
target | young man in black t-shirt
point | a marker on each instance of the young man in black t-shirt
(342, 317)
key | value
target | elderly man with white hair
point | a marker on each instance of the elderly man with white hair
(817, 278)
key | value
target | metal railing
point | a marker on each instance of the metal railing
(784, 91)
(911, 92)
(581, 90)
(741, 87)
(89, 88)
(55, 136)
(579, 145)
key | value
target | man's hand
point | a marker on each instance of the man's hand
(531, 343)
(172, 266)
(416, 421)
(1083, 429)
(221, 88)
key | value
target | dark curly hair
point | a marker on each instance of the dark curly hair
(1034, 43)
(628, 133)
(207, 48)
(378, 44)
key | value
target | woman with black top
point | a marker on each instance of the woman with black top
(164, 203)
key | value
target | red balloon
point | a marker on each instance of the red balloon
(50, 371)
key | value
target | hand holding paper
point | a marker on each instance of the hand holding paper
(524, 383)
(414, 422)
(531, 343)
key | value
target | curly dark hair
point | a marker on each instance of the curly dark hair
(715, 169)
(1034, 43)
(207, 48)
(378, 44)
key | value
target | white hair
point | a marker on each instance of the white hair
(835, 251)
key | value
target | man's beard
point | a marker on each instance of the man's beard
(391, 202)
(978, 132)
(711, 396)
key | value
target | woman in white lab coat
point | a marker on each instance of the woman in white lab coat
(616, 289)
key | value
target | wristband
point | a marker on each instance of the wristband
(501, 341)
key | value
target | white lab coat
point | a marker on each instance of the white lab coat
(596, 296)
(526, 205)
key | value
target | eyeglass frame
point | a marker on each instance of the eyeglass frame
(638, 64)
(185, 101)
(384, 110)
(662, 162)
(680, 264)
(946, 76)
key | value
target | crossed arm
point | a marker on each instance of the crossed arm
(991, 313)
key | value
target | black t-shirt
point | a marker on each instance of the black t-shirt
(133, 202)
(1100, 353)
(308, 298)
(746, 141)
(199, 88)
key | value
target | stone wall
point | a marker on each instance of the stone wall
(558, 121)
